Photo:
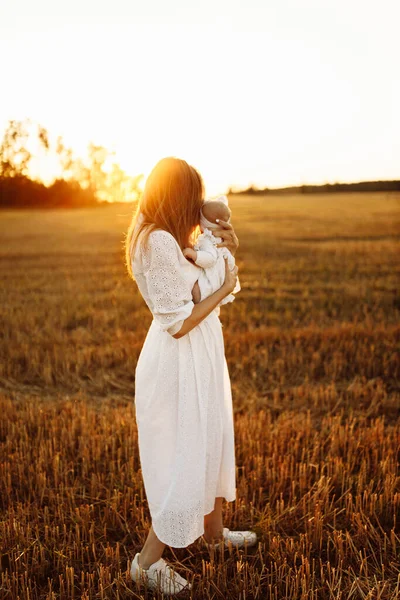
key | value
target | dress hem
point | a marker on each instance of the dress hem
(174, 545)
(228, 498)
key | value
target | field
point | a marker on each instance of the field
(313, 348)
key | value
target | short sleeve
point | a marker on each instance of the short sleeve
(169, 292)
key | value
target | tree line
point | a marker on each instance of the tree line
(86, 182)
(361, 186)
(81, 182)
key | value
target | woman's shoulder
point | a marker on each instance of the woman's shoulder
(162, 237)
(153, 242)
(162, 246)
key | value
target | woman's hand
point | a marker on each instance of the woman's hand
(228, 235)
(230, 277)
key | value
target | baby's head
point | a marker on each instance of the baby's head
(213, 210)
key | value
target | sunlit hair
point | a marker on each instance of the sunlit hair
(171, 200)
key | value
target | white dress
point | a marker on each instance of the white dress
(183, 399)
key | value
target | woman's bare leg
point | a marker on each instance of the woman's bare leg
(213, 523)
(152, 550)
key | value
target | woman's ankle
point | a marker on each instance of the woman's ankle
(213, 536)
(145, 564)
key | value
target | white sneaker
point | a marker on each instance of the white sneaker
(238, 539)
(159, 576)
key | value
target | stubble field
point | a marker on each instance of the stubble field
(313, 349)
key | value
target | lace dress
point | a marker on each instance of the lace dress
(183, 399)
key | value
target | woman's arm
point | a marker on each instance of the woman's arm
(196, 292)
(206, 306)
(229, 237)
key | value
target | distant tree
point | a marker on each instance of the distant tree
(132, 187)
(66, 158)
(43, 137)
(14, 157)
(115, 182)
(97, 176)
(83, 182)
(70, 194)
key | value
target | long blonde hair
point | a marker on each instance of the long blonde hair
(171, 200)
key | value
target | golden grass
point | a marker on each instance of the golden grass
(312, 344)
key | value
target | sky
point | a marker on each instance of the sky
(253, 92)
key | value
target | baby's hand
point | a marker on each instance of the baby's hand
(190, 253)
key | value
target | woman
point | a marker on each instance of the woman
(183, 396)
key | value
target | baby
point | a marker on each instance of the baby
(205, 253)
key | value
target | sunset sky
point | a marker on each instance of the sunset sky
(262, 92)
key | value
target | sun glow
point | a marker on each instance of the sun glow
(273, 94)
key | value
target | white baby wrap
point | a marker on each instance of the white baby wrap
(211, 259)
